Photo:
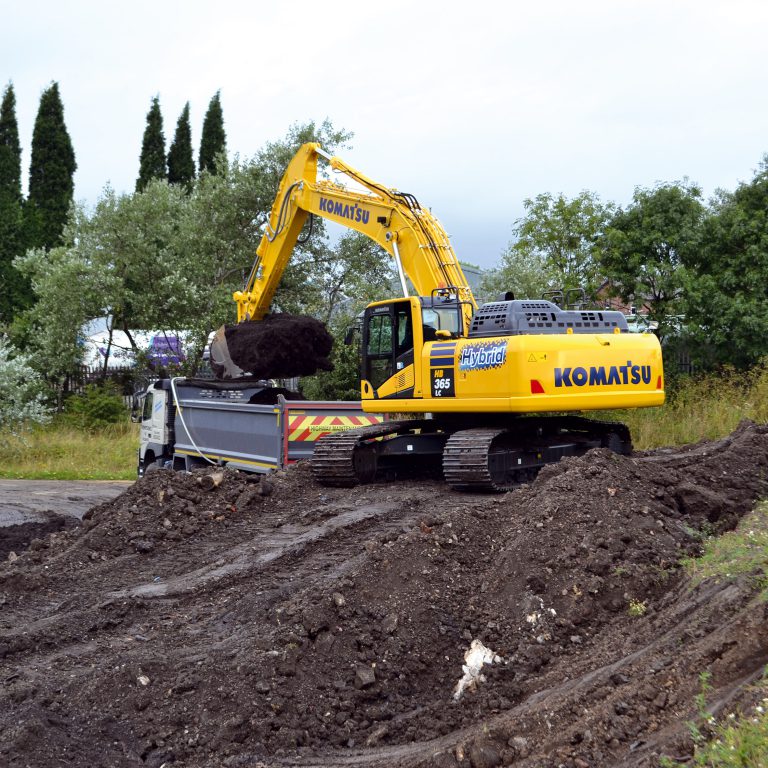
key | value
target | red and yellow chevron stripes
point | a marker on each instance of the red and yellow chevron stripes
(303, 428)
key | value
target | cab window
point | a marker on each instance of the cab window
(147, 412)
(404, 331)
(380, 335)
(439, 320)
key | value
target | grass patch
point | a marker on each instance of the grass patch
(697, 408)
(735, 741)
(743, 551)
(60, 451)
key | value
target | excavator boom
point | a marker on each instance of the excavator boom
(409, 233)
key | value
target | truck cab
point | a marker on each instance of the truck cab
(156, 419)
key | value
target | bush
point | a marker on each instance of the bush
(98, 406)
(21, 391)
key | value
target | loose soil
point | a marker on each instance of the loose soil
(277, 622)
(280, 346)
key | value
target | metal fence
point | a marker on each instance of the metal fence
(124, 378)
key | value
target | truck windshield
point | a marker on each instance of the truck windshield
(147, 412)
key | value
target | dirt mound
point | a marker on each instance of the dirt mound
(16, 538)
(281, 622)
(280, 346)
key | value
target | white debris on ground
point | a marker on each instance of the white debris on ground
(476, 656)
(537, 620)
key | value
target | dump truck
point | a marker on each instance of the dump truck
(246, 425)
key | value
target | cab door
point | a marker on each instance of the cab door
(388, 350)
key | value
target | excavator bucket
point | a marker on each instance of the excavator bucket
(222, 364)
(279, 346)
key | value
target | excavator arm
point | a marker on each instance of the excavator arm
(395, 220)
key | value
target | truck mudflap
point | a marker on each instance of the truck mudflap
(305, 422)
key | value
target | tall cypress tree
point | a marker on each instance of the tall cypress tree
(214, 140)
(11, 282)
(181, 163)
(152, 162)
(51, 174)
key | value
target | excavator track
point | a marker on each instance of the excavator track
(480, 459)
(468, 462)
(342, 459)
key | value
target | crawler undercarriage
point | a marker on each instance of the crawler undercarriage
(491, 457)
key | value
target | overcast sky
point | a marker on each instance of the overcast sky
(471, 106)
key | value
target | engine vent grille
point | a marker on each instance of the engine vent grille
(526, 317)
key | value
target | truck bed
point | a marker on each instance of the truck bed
(228, 425)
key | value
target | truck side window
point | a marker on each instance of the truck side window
(147, 412)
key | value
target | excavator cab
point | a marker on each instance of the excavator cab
(394, 333)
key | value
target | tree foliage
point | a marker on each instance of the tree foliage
(213, 142)
(646, 245)
(165, 259)
(726, 284)
(51, 174)
(181, 164)
(21, 391)
(523, 272)
(11, 244)
(152, 161)
(555, 245)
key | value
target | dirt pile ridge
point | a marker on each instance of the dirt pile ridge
(280, 346)
(277, 622)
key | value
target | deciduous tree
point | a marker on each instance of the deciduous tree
(646, 245)
(555, 244)
(726, 286)
(165, 259)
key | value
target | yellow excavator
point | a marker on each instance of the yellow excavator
(497, 388)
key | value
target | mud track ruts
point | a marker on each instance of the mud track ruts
(292, 624)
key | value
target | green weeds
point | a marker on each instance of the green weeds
(61, 451)
(741, 552)
(736, 741)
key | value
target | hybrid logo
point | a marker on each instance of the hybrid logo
(478, 357)
(599, 375)
(351, 212)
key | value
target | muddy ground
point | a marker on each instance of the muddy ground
(31, 509)
(279, 623)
